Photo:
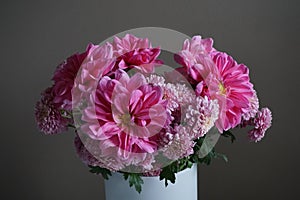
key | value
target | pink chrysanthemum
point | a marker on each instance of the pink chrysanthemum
(90, 154)
(201, 116)
(64, 77)
(261, 123)
(49, 119)
(133, 52)
(85, 156)
(251, 111)
(180, 146)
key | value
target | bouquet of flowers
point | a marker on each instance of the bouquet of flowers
(132, 114)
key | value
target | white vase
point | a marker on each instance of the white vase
(185, 188)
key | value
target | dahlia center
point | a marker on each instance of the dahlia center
(222, 88)
(125, 119)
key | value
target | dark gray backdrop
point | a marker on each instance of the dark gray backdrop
(37, 35)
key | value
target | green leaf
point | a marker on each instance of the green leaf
(222, 156)
(168, 174)
(229, 134)
(134, 180)
(99, 170)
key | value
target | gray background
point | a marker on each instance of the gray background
(38, 35)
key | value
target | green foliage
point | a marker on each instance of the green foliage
(229, 134)
(134, 180)
(168, 172)
(99, 170)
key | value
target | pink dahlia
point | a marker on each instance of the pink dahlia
(193, 56)
(126, 113)
(98, 63)
(261, 123)
(49, 118)
(220, 77)
(232, 89)
(64, 77)
(133, 52)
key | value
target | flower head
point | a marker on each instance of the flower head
(133, 52)
(232, 89)
(261, 123)
(48, 117)
(219, 77)
(64, 77)
(126, 114)
(180, 146)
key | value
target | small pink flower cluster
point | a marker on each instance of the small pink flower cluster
(131, 116)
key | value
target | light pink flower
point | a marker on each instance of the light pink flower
(64, 77)
(129, 43)
(48, 117)
(85, 156)
(180, 146)
(189, 55)
(84, 149)
(251, 111)
(200, 116)
(261, 123)
(99, 62)
(133, 52)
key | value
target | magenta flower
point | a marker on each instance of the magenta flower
(48, 117)
(133, 52)
(126, 113)
(194, 57)
(232, 89)
(261, 123)
(219, 77)
(64, 77)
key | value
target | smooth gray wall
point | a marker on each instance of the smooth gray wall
(38, 35)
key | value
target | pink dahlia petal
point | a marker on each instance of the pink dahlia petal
(192, 49)
(133, 52)
(98, 63)
(128, 44)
